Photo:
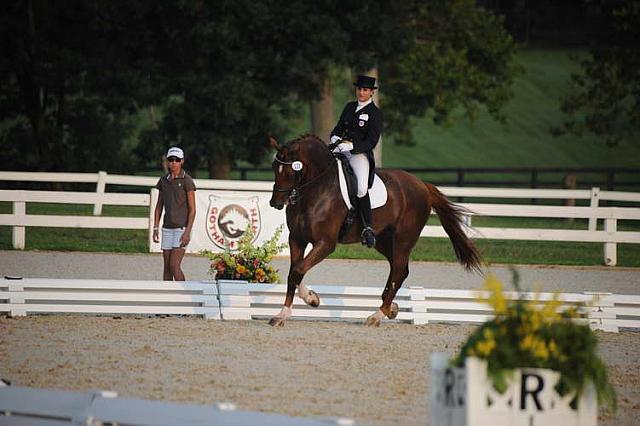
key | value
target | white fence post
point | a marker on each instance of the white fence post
(100, 186)
(152, 209)
(418, 296)
(602, 315)
(18, 232)
(595, 202)
(610, 249)
(16, 298)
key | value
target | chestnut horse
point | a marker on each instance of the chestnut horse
(306, 181)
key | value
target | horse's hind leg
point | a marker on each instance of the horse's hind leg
(398, 256)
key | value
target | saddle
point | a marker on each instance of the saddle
(349, 190)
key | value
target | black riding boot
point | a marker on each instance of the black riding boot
(368, 238)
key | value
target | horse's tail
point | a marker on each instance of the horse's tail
(451, 219)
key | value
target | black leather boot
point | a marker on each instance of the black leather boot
(368, 238)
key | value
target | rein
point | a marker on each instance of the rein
(296, 190)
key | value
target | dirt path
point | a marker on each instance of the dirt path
(377, 376)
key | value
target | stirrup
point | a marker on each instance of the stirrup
(368, 238)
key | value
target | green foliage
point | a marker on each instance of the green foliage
(248, 262)
(524, 139)
(536, 334)
(604, 97)
(461, 57)
(221, 75)
(67, 83)
(234, 73)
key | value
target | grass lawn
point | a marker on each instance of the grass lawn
(524, 141)
(507, 252)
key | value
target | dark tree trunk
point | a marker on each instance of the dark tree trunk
(219, 167)
(322, 118)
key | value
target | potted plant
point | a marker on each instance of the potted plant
(248, 263)
(533, 359)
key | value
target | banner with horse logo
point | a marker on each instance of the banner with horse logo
(222, 218)
(229, 217)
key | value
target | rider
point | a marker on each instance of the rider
(356, 134)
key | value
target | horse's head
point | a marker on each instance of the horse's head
(294, 161)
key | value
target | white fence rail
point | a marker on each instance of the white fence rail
(231, 300)
(32, 406)
(609, 235)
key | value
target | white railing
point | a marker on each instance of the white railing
(609, 235)
(19, 219)
(102, 179)
(231, 300)
(33, 406)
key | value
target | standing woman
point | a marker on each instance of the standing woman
(177, 196)
(357, 133)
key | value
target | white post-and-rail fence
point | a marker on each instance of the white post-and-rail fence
(32, 406)
(609, 236)
(233, 300)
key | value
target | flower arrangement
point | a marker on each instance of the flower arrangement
(536, 334)
(249, 262)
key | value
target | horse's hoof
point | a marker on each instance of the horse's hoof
(313, 299)
(372, 322)
(393, 311)
(276, 322)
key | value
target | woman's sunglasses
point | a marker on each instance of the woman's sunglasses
(174, 159)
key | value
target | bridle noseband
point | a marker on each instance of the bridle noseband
(292, 191)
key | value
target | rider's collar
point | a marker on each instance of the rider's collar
(363, 104)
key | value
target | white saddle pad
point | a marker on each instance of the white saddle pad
(377, 193)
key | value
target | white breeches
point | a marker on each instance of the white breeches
(360, 165)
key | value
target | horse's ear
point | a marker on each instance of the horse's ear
(273, 143)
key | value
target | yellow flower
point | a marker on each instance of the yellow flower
(536, 346)
(541, 350)
(241, 269)
(496, 298)
(535, 320)
(550, 308)
(260, 275)
(484, 347)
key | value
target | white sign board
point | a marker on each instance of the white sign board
(223, 216)
(466, 397)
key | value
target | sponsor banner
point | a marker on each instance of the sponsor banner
(223, 216)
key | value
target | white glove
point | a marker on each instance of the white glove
(343, 147)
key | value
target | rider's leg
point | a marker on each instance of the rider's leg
(364, 205)
(360, 165)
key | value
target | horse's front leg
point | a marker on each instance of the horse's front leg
(296, 254)
(300, 265)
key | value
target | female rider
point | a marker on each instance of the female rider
(356, 134)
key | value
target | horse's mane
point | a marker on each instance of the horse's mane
(304, 137)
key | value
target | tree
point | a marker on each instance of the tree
(432, 58)
(460, 56)
(234, 71)
(604, 99)
(67, 83)
(223, 75)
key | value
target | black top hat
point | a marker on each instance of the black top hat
(366, 82)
